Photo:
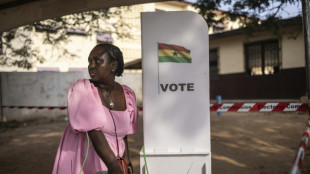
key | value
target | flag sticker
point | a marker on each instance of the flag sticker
(173, 53)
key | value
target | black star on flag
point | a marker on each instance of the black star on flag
(175, 53)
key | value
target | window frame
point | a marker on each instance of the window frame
(214, 76)
(262, 43)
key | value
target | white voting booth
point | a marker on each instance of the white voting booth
(175, 94)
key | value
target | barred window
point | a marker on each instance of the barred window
(262, 58)
(213, 64)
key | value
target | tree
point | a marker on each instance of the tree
(251, 14)
(17, 44)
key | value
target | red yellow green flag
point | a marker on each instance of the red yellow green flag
(173, 53)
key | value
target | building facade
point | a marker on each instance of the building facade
(243, 66)
(81, 44)
(260, 65)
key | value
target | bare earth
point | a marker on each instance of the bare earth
(262, 143)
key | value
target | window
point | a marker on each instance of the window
(45, 28)
(72, 31)
(78, 70)
(213, 64)
(54, 69)
(262, 58)
(218, 27)
(104, 38)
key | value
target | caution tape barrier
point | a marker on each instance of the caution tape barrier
(226, 107)
(297, 166)
(258, 107)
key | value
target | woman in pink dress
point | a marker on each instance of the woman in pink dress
(105, 110)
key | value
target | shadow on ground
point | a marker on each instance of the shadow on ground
(253, 143)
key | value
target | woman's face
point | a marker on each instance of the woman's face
(100, 67)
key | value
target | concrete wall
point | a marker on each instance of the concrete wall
(230, 52)
(133, 79)
(47, 89)
(293, 50)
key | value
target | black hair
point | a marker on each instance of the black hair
(115, 54)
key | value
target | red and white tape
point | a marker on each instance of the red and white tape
(226, 107)
(36, 107)
(258, 107)
(301, 151)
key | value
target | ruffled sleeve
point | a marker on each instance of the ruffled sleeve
(84, 106)
(132, 109)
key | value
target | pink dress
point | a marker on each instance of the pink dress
(86, 113)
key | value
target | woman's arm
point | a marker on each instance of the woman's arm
(104, 151)
(127, 156)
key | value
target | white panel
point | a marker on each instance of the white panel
(163, 164)
(175, 122)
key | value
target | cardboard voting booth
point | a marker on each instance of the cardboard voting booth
(176, 114)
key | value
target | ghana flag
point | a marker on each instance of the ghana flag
(173, 53)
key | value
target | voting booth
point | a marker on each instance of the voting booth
(176, 111)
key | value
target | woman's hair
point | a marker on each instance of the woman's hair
(115, 54)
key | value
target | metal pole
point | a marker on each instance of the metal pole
(1, 109)
(306, 21)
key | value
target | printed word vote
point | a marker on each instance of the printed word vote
(177, 87)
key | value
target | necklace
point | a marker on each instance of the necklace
(111, 104)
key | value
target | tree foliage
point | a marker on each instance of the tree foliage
(17, 44)
(250, 14)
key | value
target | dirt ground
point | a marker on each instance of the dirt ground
(255, 143)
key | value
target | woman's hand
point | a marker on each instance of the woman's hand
(130, 168)
(127, 157)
